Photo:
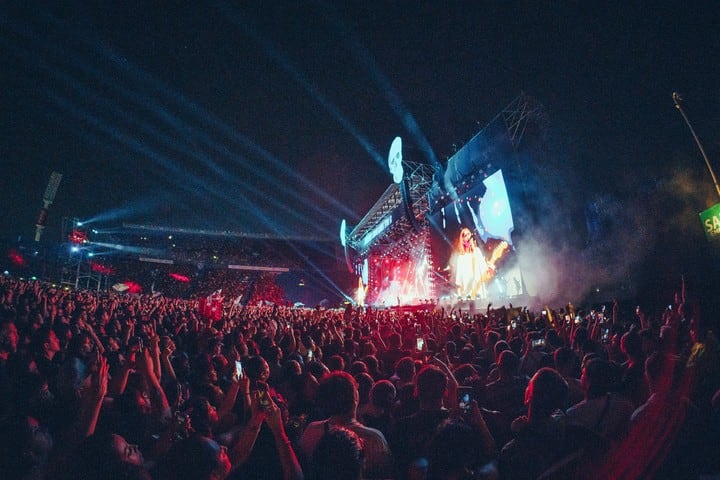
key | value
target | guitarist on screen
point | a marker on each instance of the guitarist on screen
(472, 270)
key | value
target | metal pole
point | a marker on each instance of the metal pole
(677, 99)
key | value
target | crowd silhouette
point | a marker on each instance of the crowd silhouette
(98, 385)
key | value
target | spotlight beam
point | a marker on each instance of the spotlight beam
(285, 63)
(155, 133)
(191, 185)
(142, 77)
(344, 31)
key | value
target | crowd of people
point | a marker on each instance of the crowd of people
(186, 281)
(98, 385)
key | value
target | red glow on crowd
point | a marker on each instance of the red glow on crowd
(179, 278)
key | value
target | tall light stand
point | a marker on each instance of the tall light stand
(677, 99)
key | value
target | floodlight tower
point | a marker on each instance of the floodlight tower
(48, 198)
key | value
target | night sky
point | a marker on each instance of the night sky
(276, 116)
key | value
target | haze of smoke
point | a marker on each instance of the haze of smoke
(686, 193)
(558, 265)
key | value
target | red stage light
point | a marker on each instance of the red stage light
(133, 287)
(100, 268)
(16, 258)
(78, 237)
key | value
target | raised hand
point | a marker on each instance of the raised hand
(144, 362)
(99, 383)
(243, 382)
(257, 411)
(95, 385)
(153, 340)
(168, 350)
(233, 355)
(273, 417)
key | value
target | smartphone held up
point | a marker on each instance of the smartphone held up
(465, 397)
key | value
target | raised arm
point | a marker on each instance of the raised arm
(160, 404)
(237, 385)
(488, 445)
(166, 365)
(288, 459)
(614, 311)
(91, 332)
(241, 451)
(93, 398)
(452, 384)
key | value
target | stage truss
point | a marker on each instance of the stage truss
(519, 113)
(386, 222)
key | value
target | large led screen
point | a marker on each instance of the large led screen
(473, 244)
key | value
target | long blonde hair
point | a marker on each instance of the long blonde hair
(466, 246)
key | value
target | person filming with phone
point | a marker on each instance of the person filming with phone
(264, 457)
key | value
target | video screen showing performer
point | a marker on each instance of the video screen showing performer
(469, 263)
(471, 269)
(472, 238)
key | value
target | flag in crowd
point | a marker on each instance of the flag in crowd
(211, 307)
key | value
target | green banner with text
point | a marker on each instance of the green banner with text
(710, 219)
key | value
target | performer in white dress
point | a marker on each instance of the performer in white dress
(470, 264)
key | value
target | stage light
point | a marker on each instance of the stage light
(74, 249)
(79, 224)
(91, 254)
(343, 233)
(395, 160)
(6, 272)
